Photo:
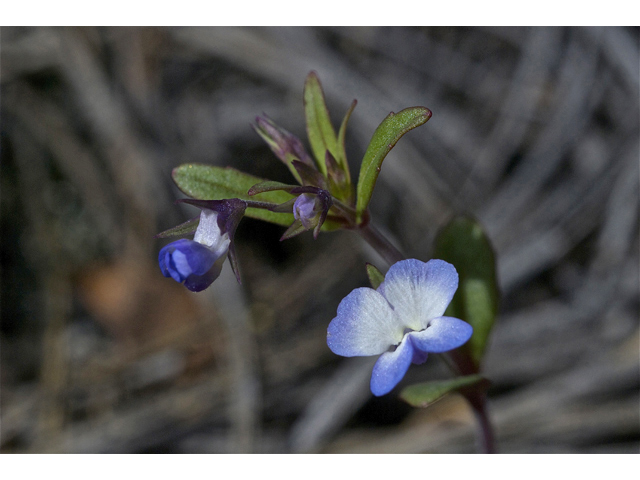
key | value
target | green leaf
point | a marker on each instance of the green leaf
(207, 182)
(342, 157)
(464, 244)
(186, 228)
(322, 136)
(425, 394)
(375, 276)
(384, 139)
(269, 186)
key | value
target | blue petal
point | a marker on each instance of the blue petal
(420, 291)
(391, 367)
(168, 264)
(419, 357)
(199, 257)
(163, 258)
(442, 334)
(197, 283)
(365, 325)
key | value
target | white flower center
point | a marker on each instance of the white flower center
(209, 233)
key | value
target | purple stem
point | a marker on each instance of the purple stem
(478, 401)
(379, 242)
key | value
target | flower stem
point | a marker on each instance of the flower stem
(478, 401)
(461, 365)
(380, 243)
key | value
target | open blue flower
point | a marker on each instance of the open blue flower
(197, 263)
(402, 321)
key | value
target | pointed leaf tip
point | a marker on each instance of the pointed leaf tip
(186, 228)
(384, 139)
(322, 136)
(375, 276)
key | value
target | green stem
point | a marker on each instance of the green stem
(380, 243)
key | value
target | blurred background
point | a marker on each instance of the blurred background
(534, 132)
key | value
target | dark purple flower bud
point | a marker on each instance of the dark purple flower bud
(285, 145)
(282, 142)
(309, 176)
(338, 179)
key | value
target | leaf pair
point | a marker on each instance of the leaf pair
(323, 138)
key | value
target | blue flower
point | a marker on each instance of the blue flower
(402, 321)
(197, 263)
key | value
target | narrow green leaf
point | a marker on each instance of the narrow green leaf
(322, 136)
(269, 186)
(384, 139)
(464, 244)
(375, 276)
(425, 394)
(185, 228)
(342, 157)
(207, 182)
